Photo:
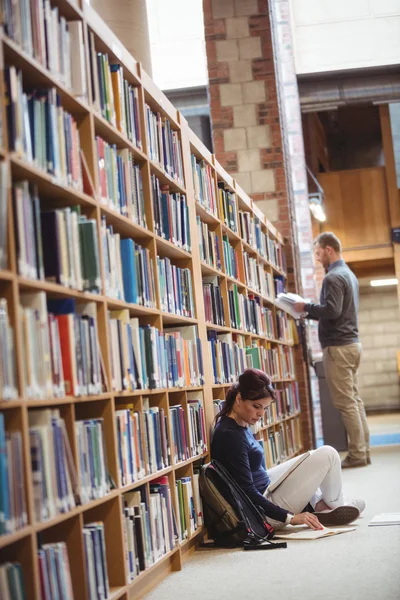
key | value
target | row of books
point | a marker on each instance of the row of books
(55, 573)
(230, 356)
(231, 258)
(213, 303)
(8, 378)
(42, 132)
(208, 244)
(120, 181)
(228, 207)
(4, 174)
(252, 233)
(171, 215)
(256, 277)
(45, 35)
(204, 185)
(61, 349)
(189, 440)
(176, 291)
(113, 96)
(280, 444)
(286, 357)
(284, 327)
(98, 587)
(59, 246)
(143, 357)
(247, 314)
(13, 512)
(164, 145)
(12, 581)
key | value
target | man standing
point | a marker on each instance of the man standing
(338, 335)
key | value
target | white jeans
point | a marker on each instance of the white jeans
(318, 477)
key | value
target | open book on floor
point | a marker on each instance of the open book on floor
(302, 532)
(385, 519)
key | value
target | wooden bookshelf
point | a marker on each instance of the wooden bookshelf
(22, 545)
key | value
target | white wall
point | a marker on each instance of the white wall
(345, 34)
(177, 43)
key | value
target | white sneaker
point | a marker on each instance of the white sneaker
(360, 504)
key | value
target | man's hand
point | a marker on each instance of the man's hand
(299, 307)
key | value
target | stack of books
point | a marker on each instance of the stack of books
(171, 215)
(55, 483)
(8, 380)
(204, 186)
(13, 513)
(55, 575)
(96, 561)
(164, 145)
(120, 181)
(42, 132)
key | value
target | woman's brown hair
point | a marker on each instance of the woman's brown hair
(253, 384)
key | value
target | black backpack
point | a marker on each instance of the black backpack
(230, 516)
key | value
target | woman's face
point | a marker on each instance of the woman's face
(251, 411)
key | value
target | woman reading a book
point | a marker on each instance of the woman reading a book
(311, 481)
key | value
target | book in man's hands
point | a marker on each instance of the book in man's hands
(286, 302)
(302, 532)
(385, 519)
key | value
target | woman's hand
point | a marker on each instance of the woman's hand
(308, 519)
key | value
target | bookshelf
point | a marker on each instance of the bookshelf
(126, 392)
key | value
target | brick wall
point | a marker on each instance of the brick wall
(257, 130)
(380, 336)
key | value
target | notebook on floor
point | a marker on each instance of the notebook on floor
(385, 519)
(302, 532)
(272, 487)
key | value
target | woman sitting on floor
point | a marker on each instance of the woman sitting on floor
(316, 481)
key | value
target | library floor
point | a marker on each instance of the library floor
(363, 564)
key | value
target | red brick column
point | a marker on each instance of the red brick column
(257, 131)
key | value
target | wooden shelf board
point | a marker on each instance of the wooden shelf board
(206, 216)
(185, 463)
(7, 275)
(55, 289)
(207, 269)
(134, 309)
(169, 249)
(11, 404)
(112, 135)
(11, 538)
(165, 179)
(124, 225)
(171, 319)
(147, 479)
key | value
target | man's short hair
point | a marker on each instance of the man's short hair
(327, 238)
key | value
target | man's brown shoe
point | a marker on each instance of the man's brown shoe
(350, 463)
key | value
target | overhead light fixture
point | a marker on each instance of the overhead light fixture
(382, 282)
(316, 199)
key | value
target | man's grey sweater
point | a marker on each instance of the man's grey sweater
(337, 311)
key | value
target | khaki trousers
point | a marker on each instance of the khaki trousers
(341, 364)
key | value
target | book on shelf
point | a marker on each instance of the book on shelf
(175, 285)
(112, 263)
(131, 459)
(228, 207)
(12, 581)
(209, 244)
(13, 511)
(231, 258)
(96, 561)
(162, 518)
(45, 35)
(197, 426)
(137, 273)
(171, 215)
(93, 477)
(8, 375)
(120, 181)
(55, 483)
(180, 440)
(55, 574)
(138, 536)
(213, 303)
(164, 145)
(31, 118)
(204, 185)
(187, 514)
(156, 436)
(4, 187)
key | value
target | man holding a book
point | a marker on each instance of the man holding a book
(338, 335)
